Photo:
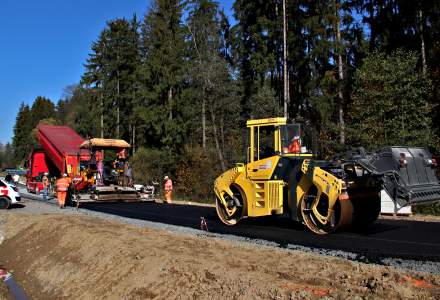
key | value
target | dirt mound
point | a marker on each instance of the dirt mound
(61, 256)
(4, 293)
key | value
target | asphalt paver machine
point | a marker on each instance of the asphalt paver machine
(108, 179)
(61, 150)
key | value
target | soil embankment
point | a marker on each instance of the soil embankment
(62, 255)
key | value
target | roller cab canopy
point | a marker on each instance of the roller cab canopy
(97, 143)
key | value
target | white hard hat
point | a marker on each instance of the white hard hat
(64, 175)
(46, 173)
(166, 177)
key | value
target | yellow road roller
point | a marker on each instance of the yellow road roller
(282, 175)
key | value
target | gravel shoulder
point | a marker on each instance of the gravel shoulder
(65, 254)
(414, 217)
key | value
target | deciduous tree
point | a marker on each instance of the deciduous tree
(390, 102)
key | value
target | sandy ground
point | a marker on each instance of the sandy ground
(4, 293)
(60, 255)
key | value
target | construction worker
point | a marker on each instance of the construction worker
(168, 189)
(46, 186)
(16, 177)
(100, 167)
(62, 190)
(128, 173)
(295, 146)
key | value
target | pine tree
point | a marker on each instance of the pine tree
(401, 24)
(21, 141)
(6, 156)
(163, 49)
(95, 76)
(42, 108)
(80, 113)
(123, 44)
(325, 46)
(258, 48)
(111, 70)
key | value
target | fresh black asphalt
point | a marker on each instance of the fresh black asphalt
(385, 238)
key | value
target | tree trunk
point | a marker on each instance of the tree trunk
(170, 103)
(422, 41)
(204, 120)
(286, 79)
(217, 144)
(370, 9)
(341, 76)
(222, 131)
(117, 107)
(204, 89)
(102, 114)
(134, 139)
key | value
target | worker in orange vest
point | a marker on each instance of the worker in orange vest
(168, 189)
(295, 146)
(62, 185)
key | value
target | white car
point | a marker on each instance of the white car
(8, 194)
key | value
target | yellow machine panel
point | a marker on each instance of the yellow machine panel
(268, 198)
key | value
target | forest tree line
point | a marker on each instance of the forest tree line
(6, 156)
(179, 83)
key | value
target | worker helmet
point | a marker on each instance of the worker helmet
(64, 175)
(166, 178)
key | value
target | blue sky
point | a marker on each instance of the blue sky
(44, 44)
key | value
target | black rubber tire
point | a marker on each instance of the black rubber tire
(366, 211)
(5, 203)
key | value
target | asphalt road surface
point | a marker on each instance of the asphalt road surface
(383, 239)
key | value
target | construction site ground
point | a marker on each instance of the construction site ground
(65, 254)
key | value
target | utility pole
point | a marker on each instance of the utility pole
(286, 75)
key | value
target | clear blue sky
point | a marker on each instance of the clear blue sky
(44, 44)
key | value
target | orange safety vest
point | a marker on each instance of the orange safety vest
(168, 185)
(46, 182)
(294, 147)
(63, 185)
